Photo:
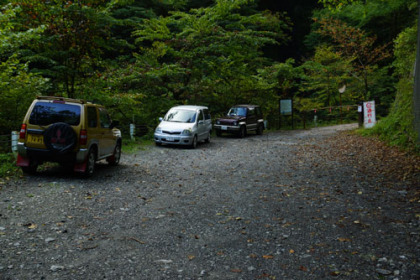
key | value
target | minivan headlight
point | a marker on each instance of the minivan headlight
(217, 122)
(187, 132)
(158, 130)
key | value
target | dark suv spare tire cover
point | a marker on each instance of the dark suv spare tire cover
(60, 138)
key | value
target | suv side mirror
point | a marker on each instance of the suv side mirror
(160, 119)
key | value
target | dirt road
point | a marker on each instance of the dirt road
(284, 205)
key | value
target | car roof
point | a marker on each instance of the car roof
(246, 105)
(189, 107)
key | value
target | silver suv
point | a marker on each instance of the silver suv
(184, 125)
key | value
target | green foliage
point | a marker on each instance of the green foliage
(208, 56)
(324, 75)
(18, 87)
(8, 165)
(397, 127)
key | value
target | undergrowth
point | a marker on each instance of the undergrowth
(8, 165)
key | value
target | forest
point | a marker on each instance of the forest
(139, 58)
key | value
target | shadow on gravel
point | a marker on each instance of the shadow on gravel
(102, 170)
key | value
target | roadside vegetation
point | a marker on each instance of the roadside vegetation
(139, 58)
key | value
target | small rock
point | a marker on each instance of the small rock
(251, 268)
(164, 261)
(56, 267)
(49, 239)
(383, 271)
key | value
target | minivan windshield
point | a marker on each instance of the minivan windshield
(237, 111)
(45, 113)
(179, 115)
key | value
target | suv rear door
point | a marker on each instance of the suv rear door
(45, 113)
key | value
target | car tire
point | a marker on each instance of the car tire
(218, 133)
(60, 138)
(194, 142)
(208, 137)
(242, 131)
(31, 169)
(260, 129)
(90, 163)
(115, 158)
(158, 144)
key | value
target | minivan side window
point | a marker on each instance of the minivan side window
(200, 115)
(206, 114)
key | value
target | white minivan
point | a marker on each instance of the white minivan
(184, 125)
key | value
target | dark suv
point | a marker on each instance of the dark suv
(71, 132)
(240, 120)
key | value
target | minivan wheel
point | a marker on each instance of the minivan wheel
(208, 137)
(90, 163)
(194, 142)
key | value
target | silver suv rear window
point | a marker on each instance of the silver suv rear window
(46, 113)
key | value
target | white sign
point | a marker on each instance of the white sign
(369, 114)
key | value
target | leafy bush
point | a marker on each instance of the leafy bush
(7, 166)
(397, 128)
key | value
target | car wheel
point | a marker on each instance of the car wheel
(158, 144)
(194, 142)
(31, 169)
(242, 132)
(218, 133)
(208, 137)
(260, 129)
(60, 138)
(90, 163)
(115, 158)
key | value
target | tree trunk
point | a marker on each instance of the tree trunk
(416, 94)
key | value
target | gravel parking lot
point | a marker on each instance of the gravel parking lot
(284, 205)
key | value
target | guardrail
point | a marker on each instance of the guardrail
(9, 141)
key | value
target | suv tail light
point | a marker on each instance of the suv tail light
(83, 137)
(22, 132)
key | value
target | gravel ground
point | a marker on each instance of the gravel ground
(285, 205)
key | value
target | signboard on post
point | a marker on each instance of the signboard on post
(286, 107)
(369, 114)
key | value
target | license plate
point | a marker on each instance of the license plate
(169, 139)
(36, 139)
(224, 127)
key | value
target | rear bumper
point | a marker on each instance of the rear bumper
(42, 155)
